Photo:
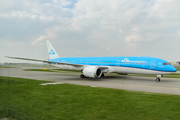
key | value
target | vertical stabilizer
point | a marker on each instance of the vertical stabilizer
(51, 51)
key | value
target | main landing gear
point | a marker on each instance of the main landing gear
(102, 75)
(158, 78)
(82, 76)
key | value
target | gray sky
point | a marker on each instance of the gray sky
(79, 28)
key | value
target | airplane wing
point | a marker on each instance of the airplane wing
(45, 61)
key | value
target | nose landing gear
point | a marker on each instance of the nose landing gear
(158, 78)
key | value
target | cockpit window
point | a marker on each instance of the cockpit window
(167, 64)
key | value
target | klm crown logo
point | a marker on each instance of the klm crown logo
(125, 60)
(51, 52)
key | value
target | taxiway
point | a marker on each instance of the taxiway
(146, 84)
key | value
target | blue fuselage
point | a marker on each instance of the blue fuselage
(140, 63)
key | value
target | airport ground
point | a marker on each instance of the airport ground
(87, 98)
(135, 83)
(27, 99)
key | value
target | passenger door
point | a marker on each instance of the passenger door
(118, 63)
(153, 64)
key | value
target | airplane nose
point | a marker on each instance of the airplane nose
(173, 69)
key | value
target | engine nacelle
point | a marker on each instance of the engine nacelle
(92, 72)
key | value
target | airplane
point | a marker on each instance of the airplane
(95, 67)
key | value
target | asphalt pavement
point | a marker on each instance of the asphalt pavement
(146, 84)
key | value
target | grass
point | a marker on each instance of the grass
(52, 70)
(8, 67)
(42, 70)
(177, 68)
(75, 102)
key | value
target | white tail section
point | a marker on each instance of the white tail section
(51, 51)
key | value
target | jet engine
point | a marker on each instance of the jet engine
(92, 72)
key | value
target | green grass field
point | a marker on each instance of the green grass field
(75, 102)
(177, 68)
(52, 70)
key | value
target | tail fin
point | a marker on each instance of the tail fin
(52, 52)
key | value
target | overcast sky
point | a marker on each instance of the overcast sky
(80, 28)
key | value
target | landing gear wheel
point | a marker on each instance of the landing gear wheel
(102, 75)
(82, 76)
(158, 80)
